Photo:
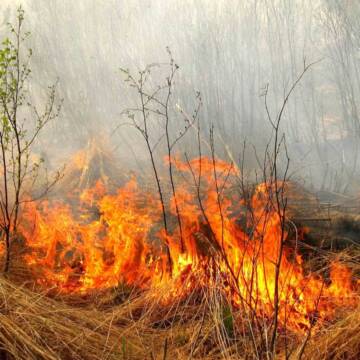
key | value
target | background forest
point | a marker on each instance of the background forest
(229, 51)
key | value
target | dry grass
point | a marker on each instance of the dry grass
(34, 326)
(339, 341)
(124, 325)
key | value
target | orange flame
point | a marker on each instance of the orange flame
(105, 239)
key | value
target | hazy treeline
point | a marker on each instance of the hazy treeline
(229, 50)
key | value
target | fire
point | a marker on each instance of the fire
(100, 238)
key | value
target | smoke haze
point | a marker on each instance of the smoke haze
(227, 50)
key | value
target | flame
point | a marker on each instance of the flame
(99, 239)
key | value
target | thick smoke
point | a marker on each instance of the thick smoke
(227, 50)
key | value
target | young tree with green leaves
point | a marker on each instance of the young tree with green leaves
(20, 124)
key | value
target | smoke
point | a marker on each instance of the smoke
(227, 50)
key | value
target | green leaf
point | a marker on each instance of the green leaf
(228, 320)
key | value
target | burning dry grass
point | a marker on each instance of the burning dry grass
(339, 341)
(215, 301)
(130, 325)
